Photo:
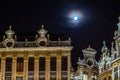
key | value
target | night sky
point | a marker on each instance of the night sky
(98, 24)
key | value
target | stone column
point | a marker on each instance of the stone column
(68, 64)
(118, 71)
(36, 67)
(58, 67)
(47, 68)
(112, 73)
(3, 60)
(25, 68)
(14, 63)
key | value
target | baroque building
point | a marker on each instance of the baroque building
(41, 59)
(87, 68)
(105, 70)
(109, 64)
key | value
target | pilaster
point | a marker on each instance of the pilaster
(36, 67)
(68, 66)
(58, 71)
(25, 69)
(47, 68)
(3, 60)
(113, 73)
(14, 63)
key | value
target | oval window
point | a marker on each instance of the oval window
(9, 44)
(42, 43)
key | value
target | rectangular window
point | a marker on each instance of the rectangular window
(8, 66)
(20, 64)
(31, 64)
(53, 64)
(42, 64)
(64, 63)
(64, 68)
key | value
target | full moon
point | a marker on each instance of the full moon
(75, 18)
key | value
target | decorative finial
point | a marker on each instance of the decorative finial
(89, 46)
(48, 36)
(26, 39)
(108, 53)
(104, 43)
(36, 36)
(69, 41)
(42, 26)
(119, 18)
(10, 27)
(79, 59)
(15, 37)
(69, 38)
(112, 47)
(112, 44)
(59, 39)
(115, 32)
(3, 37)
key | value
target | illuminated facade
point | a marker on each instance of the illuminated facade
(109, 64)
(105, 70)
(41, 59)
(87, 68)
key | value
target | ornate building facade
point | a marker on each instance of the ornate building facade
(87, 68)
(41, 59)
(109, 64)
(105, 70)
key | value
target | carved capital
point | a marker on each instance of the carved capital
(47, 57)
(3, 58)
(25, 56)
(58, 57)
(36, 57)
(14, 58)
